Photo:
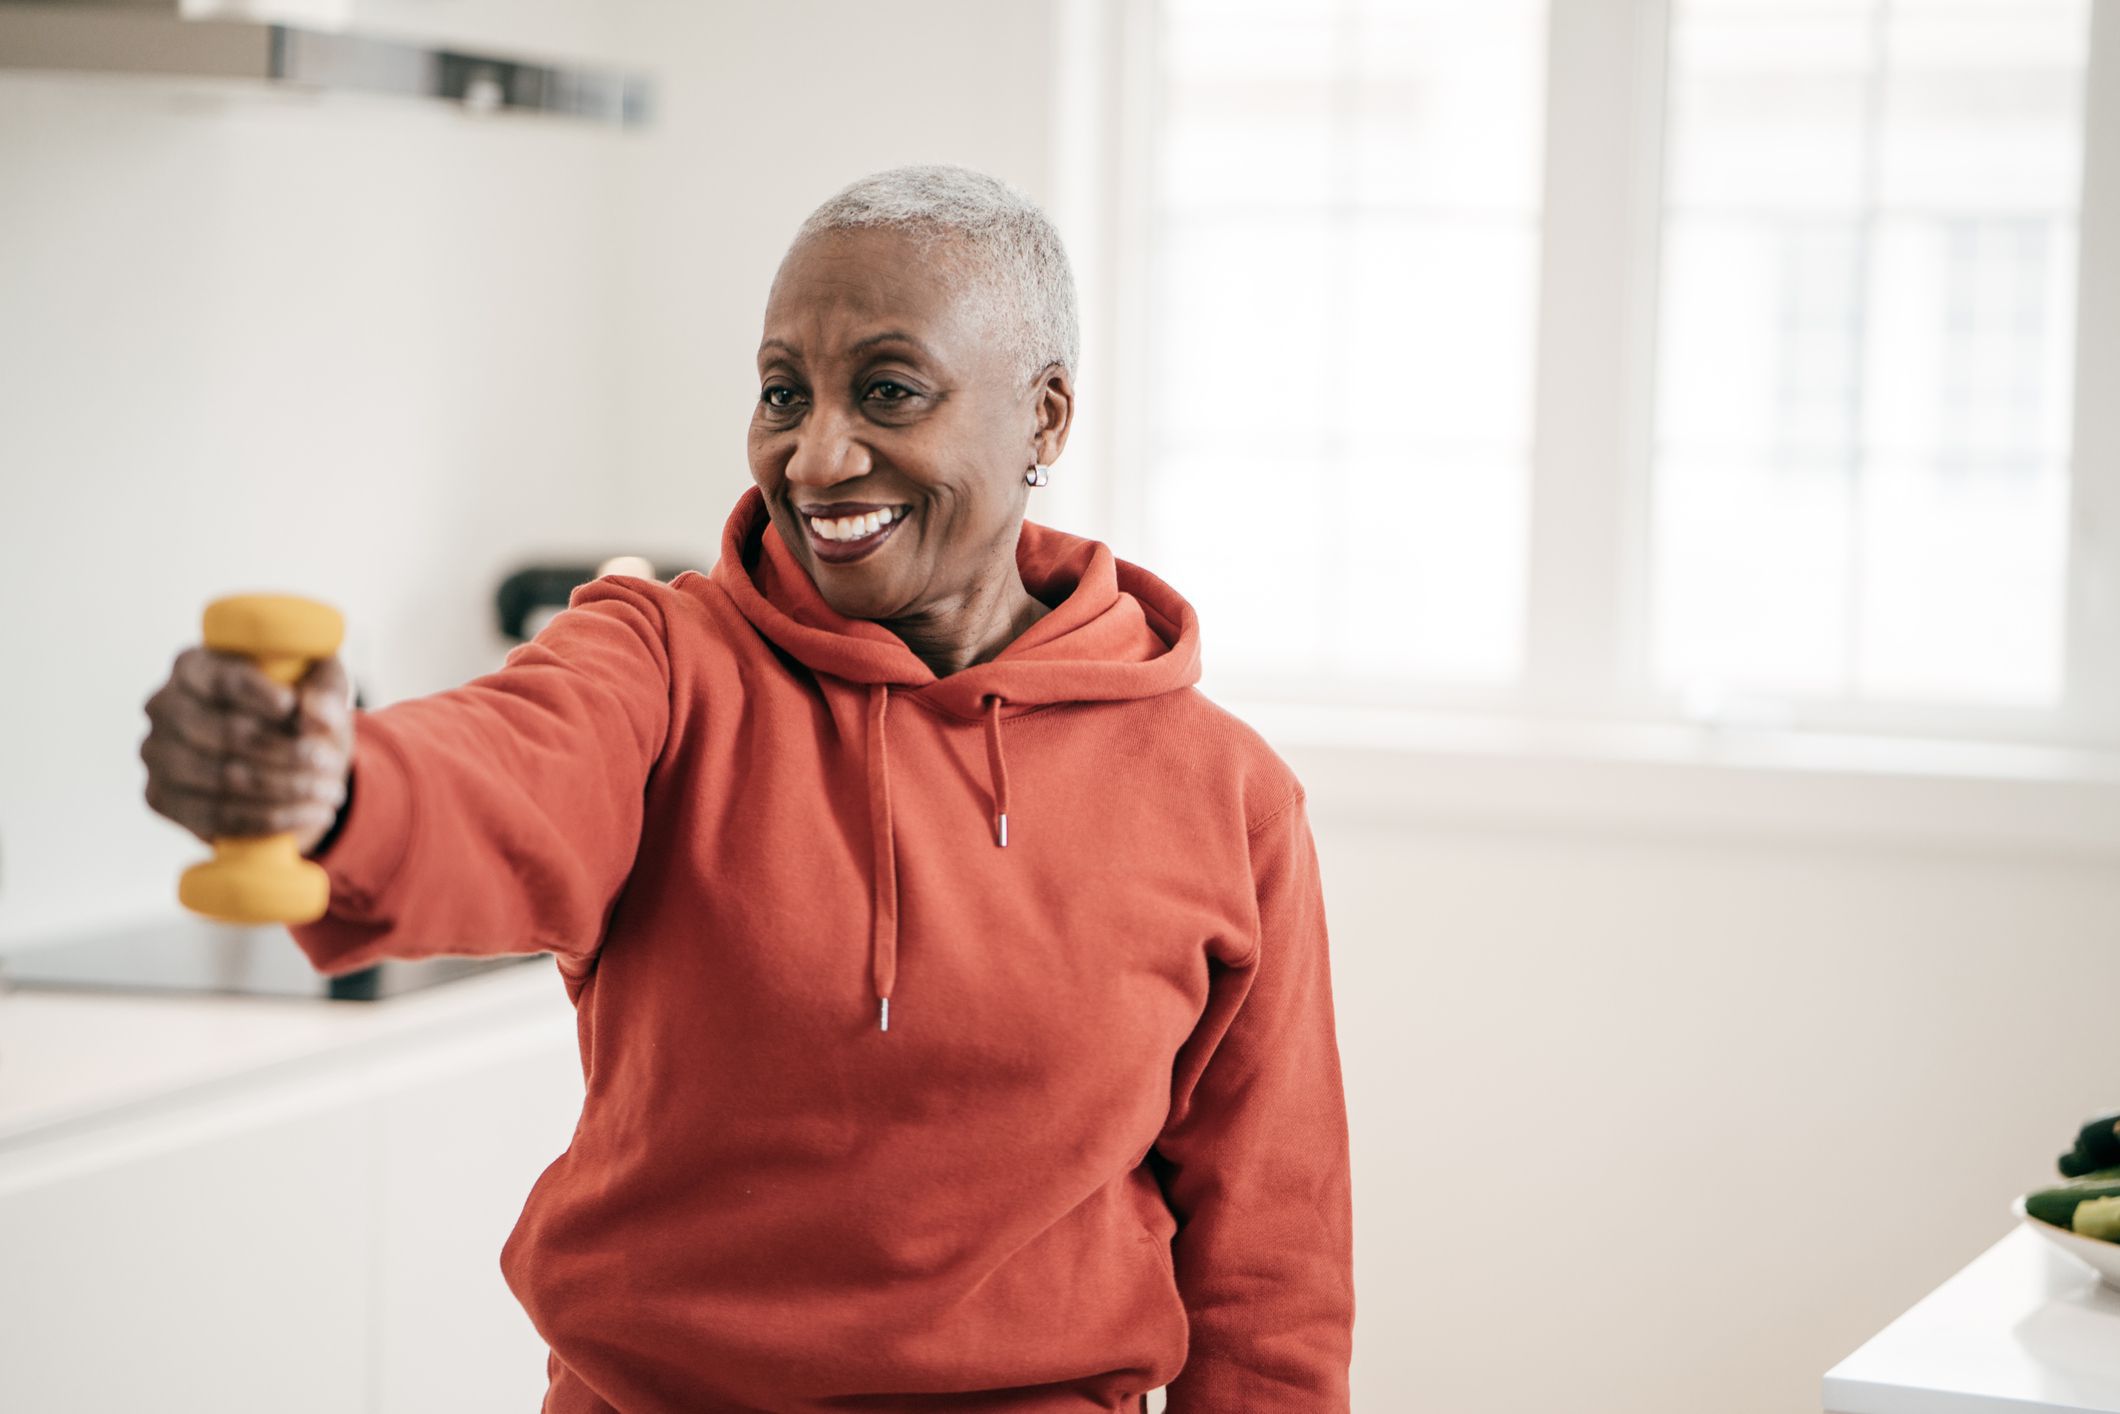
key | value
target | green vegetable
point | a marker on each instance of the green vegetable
(2099, 1217)
(2097, 1147)
(2058, 1205)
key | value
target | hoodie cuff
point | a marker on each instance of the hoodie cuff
(374, 831)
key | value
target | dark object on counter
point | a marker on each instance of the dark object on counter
(186, 954)
(535, 587)
(2097, 1147)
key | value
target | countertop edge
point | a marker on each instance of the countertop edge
(292, 1037)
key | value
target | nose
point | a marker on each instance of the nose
(826, 450)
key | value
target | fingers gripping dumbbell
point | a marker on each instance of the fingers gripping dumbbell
(264, 879)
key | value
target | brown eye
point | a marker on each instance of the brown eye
(885, 391)
(778, 396)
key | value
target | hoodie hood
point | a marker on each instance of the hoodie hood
(1113, 632)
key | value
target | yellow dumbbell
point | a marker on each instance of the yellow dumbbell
(264, 879)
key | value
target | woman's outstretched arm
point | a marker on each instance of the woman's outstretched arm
(503, 816)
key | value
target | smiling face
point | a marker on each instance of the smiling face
(893, 428)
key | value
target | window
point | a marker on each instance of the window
(1861, 470)
(1626, 361)
(1345, 202)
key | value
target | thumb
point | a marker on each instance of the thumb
(326, 697)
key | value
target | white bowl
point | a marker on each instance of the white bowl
(2099, 1255)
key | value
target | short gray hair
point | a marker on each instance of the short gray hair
(1012, 247)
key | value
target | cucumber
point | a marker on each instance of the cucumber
(2098, 1217)
(2058, 1205)
(2097, 1147)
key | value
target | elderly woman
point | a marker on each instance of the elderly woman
(952, 976)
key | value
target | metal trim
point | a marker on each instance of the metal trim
(123, 40)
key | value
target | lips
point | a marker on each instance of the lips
(832, 510)
(844, 551)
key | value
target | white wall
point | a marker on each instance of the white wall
(353, 347)
(1646, 1123)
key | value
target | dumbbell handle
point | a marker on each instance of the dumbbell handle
(263, 878)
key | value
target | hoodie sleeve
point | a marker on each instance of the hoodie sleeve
(1254, 1160)
(503, 816)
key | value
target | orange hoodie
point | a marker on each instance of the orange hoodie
(951, 1043)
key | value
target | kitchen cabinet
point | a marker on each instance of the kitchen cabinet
(219, 1263)
(252, 1204)
(459, 1154)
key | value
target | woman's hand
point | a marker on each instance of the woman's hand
(230, 752)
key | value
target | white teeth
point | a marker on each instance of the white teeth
(855, 527)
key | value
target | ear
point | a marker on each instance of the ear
(1053, 405)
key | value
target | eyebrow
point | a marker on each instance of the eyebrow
(888, 336)
(893, 336)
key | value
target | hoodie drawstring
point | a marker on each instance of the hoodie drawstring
(997, 769)
(883, 941)
(883, 936)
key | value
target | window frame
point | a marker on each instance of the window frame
(1586, 648)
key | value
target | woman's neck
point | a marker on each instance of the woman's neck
(972, 628)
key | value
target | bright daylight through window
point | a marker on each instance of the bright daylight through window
(1364, 178)
(1869, 258)
(1855, 250)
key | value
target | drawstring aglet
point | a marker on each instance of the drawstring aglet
(886, 1025)
(1001, 829)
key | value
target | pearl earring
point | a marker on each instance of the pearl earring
(1036, 475)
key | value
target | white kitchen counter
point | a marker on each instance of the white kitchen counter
(2023, 1329)
(70, 1059)
(268, 1203)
